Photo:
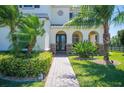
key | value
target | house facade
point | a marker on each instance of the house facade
(57, 37)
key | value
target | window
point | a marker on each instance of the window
(20, 6)
(70, 15)
(36, 6)
(28, 6)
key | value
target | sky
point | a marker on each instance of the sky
(114, 29)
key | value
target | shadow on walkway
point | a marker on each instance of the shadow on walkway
(61, 54)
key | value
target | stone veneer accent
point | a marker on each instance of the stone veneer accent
(100, 47)
(53, 48)
(68, 48)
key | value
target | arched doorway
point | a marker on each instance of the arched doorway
(76, 37)
(61, 41)
(94, 37)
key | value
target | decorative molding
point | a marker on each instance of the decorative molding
(60, 12)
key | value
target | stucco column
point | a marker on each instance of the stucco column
(53, 40)
(47, 29)
(101, 47)
(69, 37)
(69, 41)
(100, 37)
(85, 35)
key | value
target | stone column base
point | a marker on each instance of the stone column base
(53, 48)
(68, 48)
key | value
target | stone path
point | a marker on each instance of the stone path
(61, 73)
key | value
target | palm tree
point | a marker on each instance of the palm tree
(95, 16)
(9, 16)
(29, 28)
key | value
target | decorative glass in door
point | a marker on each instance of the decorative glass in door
(60, 42)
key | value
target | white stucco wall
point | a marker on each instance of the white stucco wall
(4, 39)
(56, 19)
(43, 9)
(47, 35)
(43, 42)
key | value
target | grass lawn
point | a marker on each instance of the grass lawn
(90, 74)
(5, 83)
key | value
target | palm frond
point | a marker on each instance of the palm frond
(92, 16)
(119, 19)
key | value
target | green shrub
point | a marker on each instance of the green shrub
(84, 49)
(25, 67)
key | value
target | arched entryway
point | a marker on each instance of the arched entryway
(76, 37)
(61, 41)
(94, 37)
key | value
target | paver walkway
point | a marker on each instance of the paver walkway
(61, 73)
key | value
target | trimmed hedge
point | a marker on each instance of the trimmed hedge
(25, 67)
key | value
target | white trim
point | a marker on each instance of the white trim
(46, 49)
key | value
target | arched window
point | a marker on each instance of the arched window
(76, 37)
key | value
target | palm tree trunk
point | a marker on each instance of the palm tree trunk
(31, 45)
(106, 40)
(29, 49)
(14, 38)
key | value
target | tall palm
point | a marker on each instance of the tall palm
(30, 27)
(95, 16)
(9, 16)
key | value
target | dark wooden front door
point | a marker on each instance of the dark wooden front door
(60, 42)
